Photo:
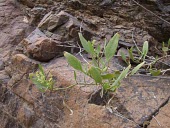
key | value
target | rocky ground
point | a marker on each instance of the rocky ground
(36, 32)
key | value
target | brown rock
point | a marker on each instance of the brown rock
(4, 78)
(138, 98)
(44, 49)
(162, 119)
(26, 115)
(23, 64)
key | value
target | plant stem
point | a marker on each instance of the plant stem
(56, 89)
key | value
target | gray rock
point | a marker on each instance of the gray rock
(1, 65)
(106, 3)
(65, 25)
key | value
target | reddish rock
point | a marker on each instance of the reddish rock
(44, 49)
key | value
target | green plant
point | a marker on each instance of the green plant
(45, 81)
(98, 68)
(141, 54)
(42, 81)
(166, 48)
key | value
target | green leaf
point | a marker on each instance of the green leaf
(95, 74)
(94, 62)
(104, 69)
(155, 72)
(98, 49)
(145, 49)
(108, 76)
(87, 45)
(73, 61)
(123, 57)
(117, 74)
(41, 69)
(91, 48)
(115, 87)
(103, 64)
(163, 44)
(121, 76)
(169, 43)
(111, 76)
(111, 47)
(137, 68)
(131, 53)
(165, 49)
(106, 86)
(75, 75)
(39, 85)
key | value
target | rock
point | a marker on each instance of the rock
(146, 93)
(125, 44)
(1, 65)
(12, 27)
(162, 118)
(156, 27)
(65, 25)
(43, 46)
(26, 115)
(36, 14)
(76, 4)
(106, 3)
(57, 21)
(163, 63)
(22, 64)
(4, 77)
(28, 3)
(44, 49)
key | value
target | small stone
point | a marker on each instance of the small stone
(44, 49)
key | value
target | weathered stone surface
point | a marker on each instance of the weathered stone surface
(39, 47)
(44, 49)
(162, 119)
(43, 46)
(1, 65)
(84, 114)
(76, 4)
(22, 64)
(36, 14)
(143, 95)
(19, 68)
(93, 116)
(4, 77)
(12, 29)
(138, 98)
(65, 25)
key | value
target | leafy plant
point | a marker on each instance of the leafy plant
(155, 72)
(166, 48)
(42, 81)
(98, 68)
(142, 54)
